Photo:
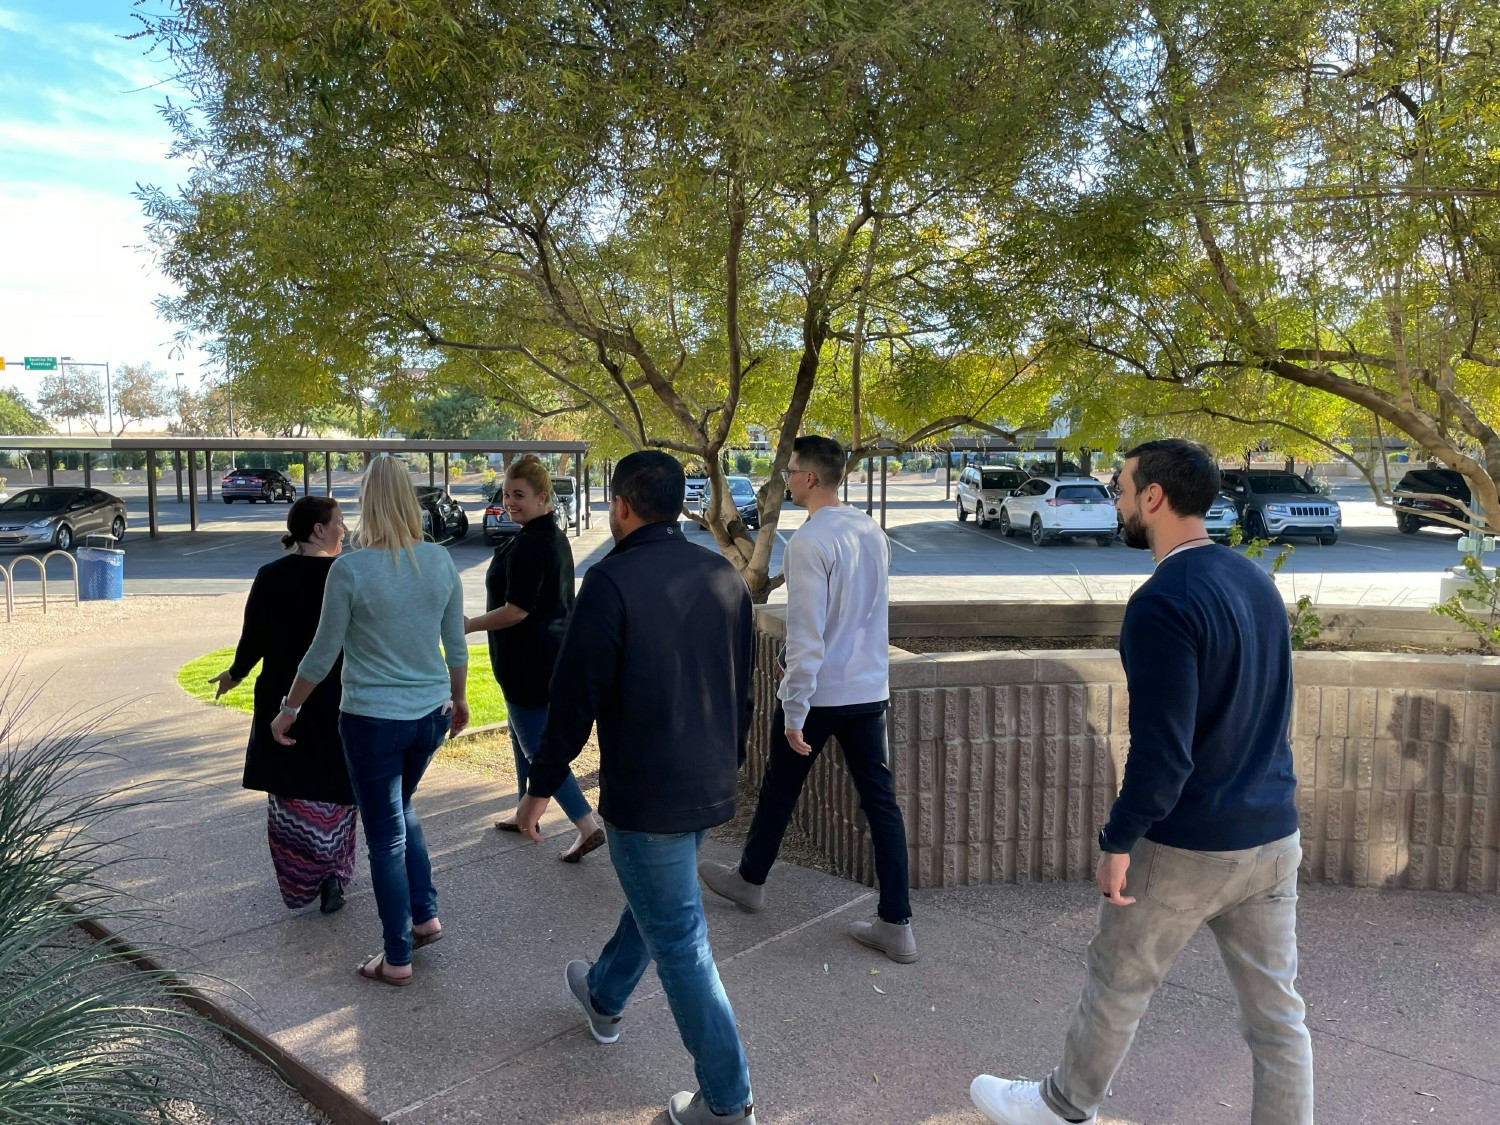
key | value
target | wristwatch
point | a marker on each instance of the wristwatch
(288, 709)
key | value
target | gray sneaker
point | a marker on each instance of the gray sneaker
(691, 1109)
(605, 1029)
(727, 882)
(896, 942)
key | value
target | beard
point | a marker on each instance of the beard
(1134, 532)
(614, 528)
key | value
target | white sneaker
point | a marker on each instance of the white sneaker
(1012, 1102)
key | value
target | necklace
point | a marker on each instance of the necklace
(1184, 543)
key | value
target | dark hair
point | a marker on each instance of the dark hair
(305, 515)
(823, 456)
(652, 483)
(1185, 470)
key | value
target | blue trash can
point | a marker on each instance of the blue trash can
(101, 574)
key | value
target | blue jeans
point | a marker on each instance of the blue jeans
(387, 758)
(526, 725)
(663, 922)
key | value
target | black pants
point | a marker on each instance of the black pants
(862, 737)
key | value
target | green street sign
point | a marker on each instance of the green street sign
(41, 363)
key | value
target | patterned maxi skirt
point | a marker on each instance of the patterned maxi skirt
(310, 840)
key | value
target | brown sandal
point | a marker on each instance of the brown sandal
(506, 826)
(593, 843)
(375, 969)
(420, 940)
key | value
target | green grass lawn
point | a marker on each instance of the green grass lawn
(486, 704)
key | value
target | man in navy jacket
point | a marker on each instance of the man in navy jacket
(1205, 827)
(658, 653)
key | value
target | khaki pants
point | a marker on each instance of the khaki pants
(1248, 899)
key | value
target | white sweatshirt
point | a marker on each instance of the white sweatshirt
(837, 614)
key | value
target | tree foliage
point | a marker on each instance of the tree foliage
(72, 394)
(17, 416)
(651, 223)
(140, 392)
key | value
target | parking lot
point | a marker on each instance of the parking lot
(933, 556)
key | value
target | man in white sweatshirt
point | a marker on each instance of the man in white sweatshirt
(835, 684)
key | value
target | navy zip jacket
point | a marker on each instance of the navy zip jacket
(1207, 655)
(657, 653)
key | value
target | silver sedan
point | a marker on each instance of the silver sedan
(57, 518)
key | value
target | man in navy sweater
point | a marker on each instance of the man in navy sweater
(1205, 827)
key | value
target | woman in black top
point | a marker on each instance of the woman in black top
(310, 816)
(528, 595)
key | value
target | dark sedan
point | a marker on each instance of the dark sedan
(58, 518)
(268, 485)
(1424, 493)
(442, 519)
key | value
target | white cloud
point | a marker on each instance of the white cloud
(79, 142)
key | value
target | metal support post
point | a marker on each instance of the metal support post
(883, 461)
(306, 480)
(88, 469)
(192, 492)
(869, 486)
(431, 470)
(446, 472)
(208, 474)
(947, 476)
(177, 468)
(588, 468)
(50, 479)
(328, 474)
(151, 491)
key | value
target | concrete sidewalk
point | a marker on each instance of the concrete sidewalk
(1402, 986)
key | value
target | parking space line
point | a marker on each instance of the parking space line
(220, 547)
(898, 542)
(1372, 547)
(997, 539)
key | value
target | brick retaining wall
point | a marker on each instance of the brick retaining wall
(1006, 763)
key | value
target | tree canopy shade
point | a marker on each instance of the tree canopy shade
(660, 221)
(1293, 223)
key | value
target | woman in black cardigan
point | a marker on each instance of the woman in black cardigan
(311, 816)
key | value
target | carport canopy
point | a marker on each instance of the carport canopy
(152, 446)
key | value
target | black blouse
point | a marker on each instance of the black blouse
(533, 570)
(281, 616)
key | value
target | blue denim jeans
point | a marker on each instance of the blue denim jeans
(526, 725)
(663, 922)
(387, 758)
(1248, 900)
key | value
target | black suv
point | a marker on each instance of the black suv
(1415, 512)
(266, 485)
(442, 519)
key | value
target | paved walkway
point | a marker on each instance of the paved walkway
(1402, 985)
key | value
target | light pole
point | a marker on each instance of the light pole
(109, 393)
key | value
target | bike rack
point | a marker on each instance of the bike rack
(8, 570)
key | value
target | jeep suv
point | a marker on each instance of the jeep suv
(1274, 505)
(982, 488)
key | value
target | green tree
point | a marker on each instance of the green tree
(140, 392)
(17, 416)
(654, 224)
(71, 393)
(1292, 227)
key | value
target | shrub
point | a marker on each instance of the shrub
(117, 475)
(86, 1036)
(760, 467)
(744, 463)
(295, 472)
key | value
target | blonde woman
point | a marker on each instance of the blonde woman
(529, 594)
(395, 608)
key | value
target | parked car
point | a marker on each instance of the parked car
(1222, 518)
(696, 487)
(982, 488)
(1052, 508)
(742, 493)
(1414, 512)
(268, 485)
(565, 501)
(497, 522)
(1047, 467)
(58, 518)
(442, 519)
(1273, 504)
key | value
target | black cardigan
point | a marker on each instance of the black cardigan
(281, 616)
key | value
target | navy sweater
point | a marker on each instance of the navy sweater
(1207, 655)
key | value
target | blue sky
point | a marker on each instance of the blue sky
(79, 128)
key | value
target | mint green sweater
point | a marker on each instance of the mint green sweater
(394, 624)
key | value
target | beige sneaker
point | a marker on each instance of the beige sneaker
(727, 882)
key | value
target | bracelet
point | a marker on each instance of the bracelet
(288, 709)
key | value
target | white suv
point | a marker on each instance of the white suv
(982, 488)
(1060, 508)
